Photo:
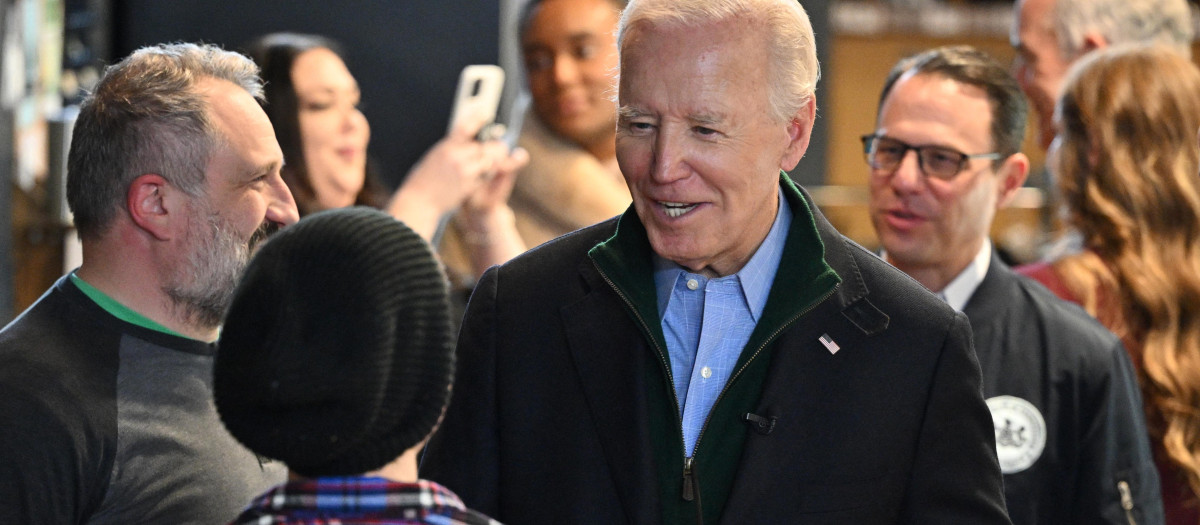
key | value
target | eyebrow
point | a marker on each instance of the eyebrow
(955, 149)
(574, 38)
(705, 119)
(265, 169)
(326, 90)
(626, 113)
(581, 36)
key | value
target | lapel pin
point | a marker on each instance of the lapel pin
(829, 344)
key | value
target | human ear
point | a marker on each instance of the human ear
(799, 132)
(147, 204)
(1092, 42)
(1012, 173)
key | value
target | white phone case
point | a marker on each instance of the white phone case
(478, 93)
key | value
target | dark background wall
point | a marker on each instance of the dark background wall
(406, 54)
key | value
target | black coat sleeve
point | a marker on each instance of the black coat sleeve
(464, 453)
(956, 477)
(1115, 449)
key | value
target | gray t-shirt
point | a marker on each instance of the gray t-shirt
(111, 422)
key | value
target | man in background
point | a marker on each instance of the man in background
(105, 382)
(1070, 432)
(1050, 35)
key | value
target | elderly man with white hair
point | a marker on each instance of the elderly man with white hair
(719, 353)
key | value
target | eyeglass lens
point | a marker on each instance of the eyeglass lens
(886, 154)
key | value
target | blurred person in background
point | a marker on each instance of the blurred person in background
(1126, 160)
(570, 53)
(1050, 35)
(313, 103)
(572, 180)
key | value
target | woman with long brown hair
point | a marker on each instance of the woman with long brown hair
(1127, 161)
(312, 100)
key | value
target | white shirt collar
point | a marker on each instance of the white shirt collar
(960, 290)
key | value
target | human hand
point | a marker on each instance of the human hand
(451, 171)
(485, 222)
(496, 185)
(453, 168)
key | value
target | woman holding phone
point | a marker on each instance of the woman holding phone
(312, 101)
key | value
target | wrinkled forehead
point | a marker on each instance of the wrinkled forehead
(691, 37)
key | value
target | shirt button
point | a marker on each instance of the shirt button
(706, 372)
(692, 284)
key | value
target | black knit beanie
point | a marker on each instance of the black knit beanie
(336, 354)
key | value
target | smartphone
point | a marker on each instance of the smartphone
(478, 93)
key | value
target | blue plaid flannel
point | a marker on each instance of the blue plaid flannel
(359, 500)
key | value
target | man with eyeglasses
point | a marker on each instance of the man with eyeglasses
(1070, 432)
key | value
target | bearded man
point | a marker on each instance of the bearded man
(106, 381)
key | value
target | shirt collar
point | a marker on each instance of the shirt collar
(755, 278)
(362, 494)
(119, 310)
(959, 291)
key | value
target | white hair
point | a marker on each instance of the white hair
(1167, 22)
(793, 72)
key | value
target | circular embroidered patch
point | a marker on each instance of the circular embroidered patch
(1020, 432)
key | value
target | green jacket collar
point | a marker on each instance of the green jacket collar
(803, 277)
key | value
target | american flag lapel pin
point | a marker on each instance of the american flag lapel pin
(830, 344)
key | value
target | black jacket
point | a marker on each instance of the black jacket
(550, 417)
(1037, 350)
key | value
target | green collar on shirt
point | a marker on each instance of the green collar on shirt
(119, 310)
(803, 277)
(802, 280)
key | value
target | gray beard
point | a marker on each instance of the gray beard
(201, 290)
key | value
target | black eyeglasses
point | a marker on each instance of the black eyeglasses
(885, 154)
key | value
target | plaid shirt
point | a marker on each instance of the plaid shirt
(358, 500)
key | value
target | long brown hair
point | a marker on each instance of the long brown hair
(275, 54)
(1129, 171)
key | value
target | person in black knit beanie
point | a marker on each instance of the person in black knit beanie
(336, 358)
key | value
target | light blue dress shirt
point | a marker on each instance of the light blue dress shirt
(707, 322)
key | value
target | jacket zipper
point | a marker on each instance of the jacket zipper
(759, 350)
(1126, 500)
(689, 489)
(689, 477)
